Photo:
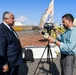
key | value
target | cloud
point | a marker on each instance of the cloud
(22, 19)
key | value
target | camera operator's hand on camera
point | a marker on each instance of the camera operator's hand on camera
(51, 39)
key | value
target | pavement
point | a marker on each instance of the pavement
(42, 68)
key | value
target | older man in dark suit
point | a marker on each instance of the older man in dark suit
(10, 47)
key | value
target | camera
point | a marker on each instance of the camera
(49, 26)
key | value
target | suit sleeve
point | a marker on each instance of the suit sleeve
(3, 49)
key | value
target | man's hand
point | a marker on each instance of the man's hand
(51, 39)
(5, 68)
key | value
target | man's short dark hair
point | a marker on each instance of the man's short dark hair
(68, 17)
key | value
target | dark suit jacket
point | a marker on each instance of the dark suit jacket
(10, 47)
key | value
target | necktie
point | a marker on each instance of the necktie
(11, 29)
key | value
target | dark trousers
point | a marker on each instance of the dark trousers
(67, 64)
(12, 71)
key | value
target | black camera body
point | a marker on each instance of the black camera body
(48, 26)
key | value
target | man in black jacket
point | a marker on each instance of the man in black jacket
(10, 47)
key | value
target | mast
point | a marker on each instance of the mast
(48, 15)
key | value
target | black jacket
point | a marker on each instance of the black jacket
(10, 47)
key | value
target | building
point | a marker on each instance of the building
(74, 22)
(18, 24)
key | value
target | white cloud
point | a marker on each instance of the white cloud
(22, 19)
(25, 20)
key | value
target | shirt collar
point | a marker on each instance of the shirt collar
(7, 25)
(71, 28)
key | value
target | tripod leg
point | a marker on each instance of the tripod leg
(48, 55)
(39, 61)
(51, 55)
(51, 64)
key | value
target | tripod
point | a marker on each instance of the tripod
(48, 56)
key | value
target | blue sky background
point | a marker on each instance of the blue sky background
(30, 11)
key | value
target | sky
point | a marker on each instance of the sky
(30, 11)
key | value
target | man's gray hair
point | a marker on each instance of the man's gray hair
(5, 14)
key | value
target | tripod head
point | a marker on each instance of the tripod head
(49, 27)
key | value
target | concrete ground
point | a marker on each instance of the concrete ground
(44, 68)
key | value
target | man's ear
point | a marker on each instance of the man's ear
(70, 21)
(5, 18)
